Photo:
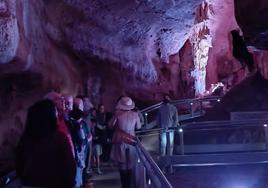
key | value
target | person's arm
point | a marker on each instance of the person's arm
(138, 123)
(112, 122)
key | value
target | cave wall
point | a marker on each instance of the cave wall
(77, 47)
(31, 64)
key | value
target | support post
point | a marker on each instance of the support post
(181, 141)
(266, 135)
(191, 109)
(145, 120)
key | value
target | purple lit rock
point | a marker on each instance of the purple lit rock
(9, 34)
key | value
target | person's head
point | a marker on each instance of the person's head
(58, 100)
(166, 99)
(76, 114)
(87, 104)
(125, 103)
(94, 112)
(78, 103)
(41, 119)
(101, 108)
(69, 102)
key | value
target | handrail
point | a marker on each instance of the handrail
(215, 126)
(188, 102)
(210, 125)
(156, 175)
(181, 101)
(189, 157)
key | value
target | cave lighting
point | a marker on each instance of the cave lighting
(238, 184)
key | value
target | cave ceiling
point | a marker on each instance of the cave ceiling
(139, 37)
(132, 32)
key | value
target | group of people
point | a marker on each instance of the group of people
(63, 134)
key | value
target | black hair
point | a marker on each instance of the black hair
(41, 120)
(79, 97)
(100, 105)
(76, 114)
(166, 98)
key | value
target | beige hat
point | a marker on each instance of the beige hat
(125, 103)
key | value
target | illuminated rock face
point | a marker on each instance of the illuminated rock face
(251, 93)
(9, 34)
(132, 33)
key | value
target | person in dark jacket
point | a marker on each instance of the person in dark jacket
(44, 156)
(79, 133)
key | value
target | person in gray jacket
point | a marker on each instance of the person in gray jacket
(167, 117)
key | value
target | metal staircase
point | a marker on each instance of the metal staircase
(243, 140)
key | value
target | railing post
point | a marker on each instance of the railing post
(201, 107)
(266, 136)
(181, 141)
(191, 109)
(145, 120)
(141, 173)
(142, 178)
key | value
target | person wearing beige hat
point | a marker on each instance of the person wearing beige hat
(124, 154)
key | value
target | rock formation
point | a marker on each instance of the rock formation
(106, 48)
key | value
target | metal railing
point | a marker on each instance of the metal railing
(150, 174)
(215, 153)
(194, 107)
(208, 126)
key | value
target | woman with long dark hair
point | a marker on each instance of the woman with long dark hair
(44, 157)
